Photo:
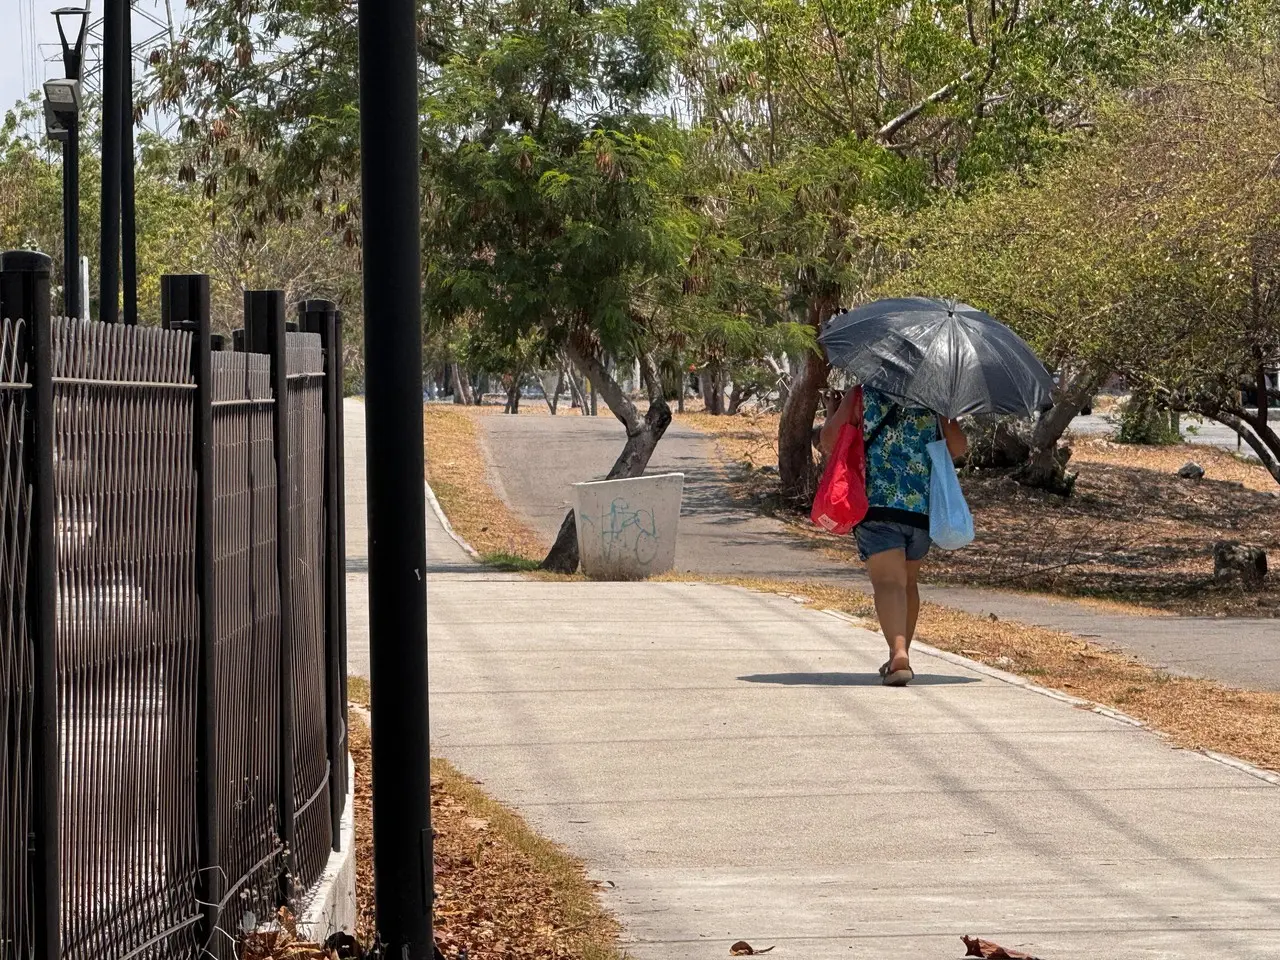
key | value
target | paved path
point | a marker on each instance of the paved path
(728, 764)
(446, 561)
(534, 459)
(1207, 433)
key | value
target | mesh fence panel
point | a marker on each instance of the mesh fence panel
(306, 504)
(247, 657)
(16, 654)
(127, 638)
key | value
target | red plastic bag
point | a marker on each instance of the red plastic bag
(841, 501)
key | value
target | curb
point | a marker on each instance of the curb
(444, 522)
(331, 901)
(1012, 679)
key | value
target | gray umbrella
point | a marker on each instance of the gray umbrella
(946, 356)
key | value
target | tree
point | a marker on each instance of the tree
(1152, 250)
(836, 110)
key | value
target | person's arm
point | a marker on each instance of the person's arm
(957, 442)
(831, 427)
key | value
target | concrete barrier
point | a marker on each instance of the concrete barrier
(627, 528)
(330, 905)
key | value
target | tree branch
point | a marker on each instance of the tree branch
(938, 96)
(586, 360)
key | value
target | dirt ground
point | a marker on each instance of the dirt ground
(1133, 532)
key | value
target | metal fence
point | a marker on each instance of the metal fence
(172, 726)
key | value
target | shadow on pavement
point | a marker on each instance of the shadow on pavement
(849, 679)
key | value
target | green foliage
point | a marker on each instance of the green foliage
(1141, 423)
(1153, 249)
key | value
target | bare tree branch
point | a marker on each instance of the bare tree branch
(938, 96)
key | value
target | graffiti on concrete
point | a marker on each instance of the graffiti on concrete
(626, 534)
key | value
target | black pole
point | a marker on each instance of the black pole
(128, 217)
(71, 220)
(339, 370)
(24, 293)
(112, 136)
(320, 317)
(184, 305)
(265, 332)
(72, 58)
(402, 842)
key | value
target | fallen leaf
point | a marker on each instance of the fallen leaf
(991, 951)
(744, 949)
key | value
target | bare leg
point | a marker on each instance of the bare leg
(913, 599)
(889, 580)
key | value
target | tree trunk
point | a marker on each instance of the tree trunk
(795, 430)
(513, 396)
(577, 401)
(782, 379)
(1259, 434)
(740, 395)
(1046, 464)
(643, 434)
(595, 399)
(462, 389)
(553, 401)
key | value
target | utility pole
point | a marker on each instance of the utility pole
(389, 149)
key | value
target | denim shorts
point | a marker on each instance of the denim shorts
(881, 536)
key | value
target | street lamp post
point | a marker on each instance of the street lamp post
(62, 104)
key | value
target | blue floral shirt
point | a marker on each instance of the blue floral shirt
(898, 469)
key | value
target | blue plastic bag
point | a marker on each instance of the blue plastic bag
(950, 522)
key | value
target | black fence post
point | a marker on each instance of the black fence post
(265, 332)
(321, 317)
(184, 305)
(340, 376)
(24, 294)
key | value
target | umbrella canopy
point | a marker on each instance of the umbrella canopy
(949, 357)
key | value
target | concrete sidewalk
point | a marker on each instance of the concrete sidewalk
(728, 761)
(728, 764)
(533, 460)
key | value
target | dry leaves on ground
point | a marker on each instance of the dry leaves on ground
(283, 943)
(1133, 532)
(502, 892)
(975, 947)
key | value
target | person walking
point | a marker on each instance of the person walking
(893, 539)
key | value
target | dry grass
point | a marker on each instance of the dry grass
(1193, 713)
(502, 891)
(750, 440)
(1134, 537)
(457, 472)
(1220, 465)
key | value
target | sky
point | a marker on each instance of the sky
(25, 24)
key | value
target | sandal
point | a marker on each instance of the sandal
(896, 678)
